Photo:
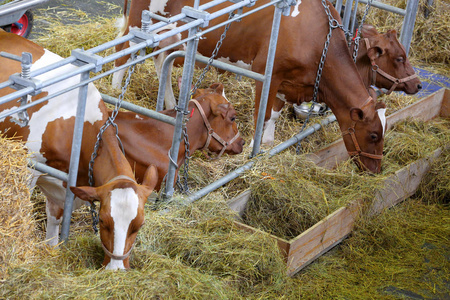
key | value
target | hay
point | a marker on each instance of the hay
(17, 230)
(196, 252)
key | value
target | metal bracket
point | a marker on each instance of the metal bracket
(285, 5)
(195, 14)
(147, 37)
(84, 57)
(252, 2)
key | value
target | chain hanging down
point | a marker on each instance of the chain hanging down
(332, 24)
(184, 187)
(358, 31)
(109, 122)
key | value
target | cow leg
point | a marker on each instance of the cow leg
(55, 193)
(271, 114)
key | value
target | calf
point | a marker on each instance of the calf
(300, 44)
(211, 126)
(48, 137)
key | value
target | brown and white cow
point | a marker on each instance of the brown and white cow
(382, 62)
(48, 137)
(211, 126)
(300, 43)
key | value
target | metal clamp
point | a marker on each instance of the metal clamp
(285, 5)
(84, 57)
(195, 14)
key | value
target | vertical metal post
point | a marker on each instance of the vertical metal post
(183, 101)
(347, 14)
(74, 157)
(267, 80)
(353, 18)
(339, 6)
(408, 24)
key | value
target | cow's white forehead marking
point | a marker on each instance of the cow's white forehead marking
(296, 11)
(382, 116)
(124, 208)
(63, 106)
(158, 6)
(223, 95)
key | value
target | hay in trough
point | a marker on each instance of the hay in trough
(17, 225)
(196, 252)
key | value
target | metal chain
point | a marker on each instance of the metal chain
(109, 121)
(184, 188)
(358, 31)
(213, 55)
(333, 24)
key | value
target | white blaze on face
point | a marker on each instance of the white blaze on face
(239, 63)
(223, 95)
(158, 6)
(296, 11)
(63, 106)
(382, 116)
(124, 208)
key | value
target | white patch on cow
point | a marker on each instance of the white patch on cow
(117, 78)
(223, 95)
(120, 25)
(158, 6)
(296, 11)
(269, 128)
(124, 208)
(282, 97)
(139, 117)
(239, 63)
(15, 116)
(63, 106)
(382, 116)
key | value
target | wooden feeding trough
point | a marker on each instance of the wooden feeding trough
(330, 231)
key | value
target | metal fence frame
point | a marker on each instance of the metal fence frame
(89, 61)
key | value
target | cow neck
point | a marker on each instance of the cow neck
(110, 162)
(197, 131)
(363, 63)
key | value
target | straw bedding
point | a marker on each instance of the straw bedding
(196, 251)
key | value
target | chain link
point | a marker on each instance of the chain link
(358, 31)
(332, 24)
(109, 121)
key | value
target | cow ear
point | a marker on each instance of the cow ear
(86, 193)
(150, 177)
(356, 114)
(368, 31)
(375, 52)
(217, 87)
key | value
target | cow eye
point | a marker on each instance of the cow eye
(374, 136)
(233, 119)
(399, 59)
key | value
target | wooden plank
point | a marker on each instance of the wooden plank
(402, 184)
(425, 109)
(239, 203)
(445, 109)
(282, 243)
(321, 237)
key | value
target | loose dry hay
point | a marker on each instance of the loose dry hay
(196, 251)
(17, 225)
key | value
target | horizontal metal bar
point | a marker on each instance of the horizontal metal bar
(140, 110)
(48, 170)
(236, 173)
(387, 7)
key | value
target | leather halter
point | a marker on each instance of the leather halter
(211, 133)
(111, 255)
(376, 69)
(351, 131)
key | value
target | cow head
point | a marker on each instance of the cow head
(222, 119)
(363, 135)
(121, 214)
(392, 69)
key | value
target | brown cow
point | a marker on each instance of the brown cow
(211, 110)
(48, 136)
(300, 44)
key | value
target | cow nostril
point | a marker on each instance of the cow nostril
(419, 86)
